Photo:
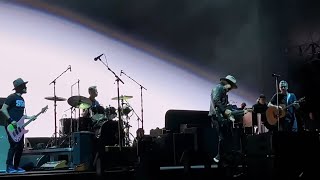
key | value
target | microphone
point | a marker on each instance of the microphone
(69, 68)
(98, 57)
(275, 75)
(121, 72)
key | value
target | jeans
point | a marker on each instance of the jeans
(15, 152)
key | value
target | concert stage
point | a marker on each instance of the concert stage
(183, 150)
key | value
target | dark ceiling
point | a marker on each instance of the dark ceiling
(250, 39)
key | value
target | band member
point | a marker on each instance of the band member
(260, 107)
(222, 118)
(218, 110)
(243, 105)
(95, 107)
(289, 121)
(13, 108)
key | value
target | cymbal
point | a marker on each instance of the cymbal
(122, 97)
(79, 102)
(57, 98)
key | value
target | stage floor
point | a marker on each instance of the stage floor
(163, 173)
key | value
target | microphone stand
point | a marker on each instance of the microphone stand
(141, 87)
(119, 108)
(55, 104)
(277, 98)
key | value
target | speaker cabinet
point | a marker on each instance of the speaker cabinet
(36, 143)
(83, 147)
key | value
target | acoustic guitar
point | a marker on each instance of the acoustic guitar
(273, 112)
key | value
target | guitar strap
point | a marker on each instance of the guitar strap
(294, 123)
(288, 97)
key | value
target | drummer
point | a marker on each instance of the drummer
(95, 107)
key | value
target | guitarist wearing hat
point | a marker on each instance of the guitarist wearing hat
(288, 104)
(13, 109)
(222, 117)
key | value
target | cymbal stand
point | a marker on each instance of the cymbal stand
(119, 107)
(55, 104)
(78, 82)
(141, 100)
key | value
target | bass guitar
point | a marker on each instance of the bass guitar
(273, 112)
(17, 131)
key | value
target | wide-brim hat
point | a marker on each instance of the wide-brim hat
(18, 82)
(232, 81)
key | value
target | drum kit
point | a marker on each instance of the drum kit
(104, 124)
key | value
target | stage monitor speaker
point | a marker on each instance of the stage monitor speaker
(33, 161)
(83, 148)
(4, 147)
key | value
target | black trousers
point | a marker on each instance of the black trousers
(15, 152)
(230, 146)
(224, 131)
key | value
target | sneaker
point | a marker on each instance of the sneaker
(10, 169)
(215, 159)
(20, 170)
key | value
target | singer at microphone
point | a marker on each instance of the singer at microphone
(98, 57)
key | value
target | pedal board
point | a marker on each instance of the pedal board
(55, 165)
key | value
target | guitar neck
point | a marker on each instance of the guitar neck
(30, 120)
(294, 103)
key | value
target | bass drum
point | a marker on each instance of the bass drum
(107, 134)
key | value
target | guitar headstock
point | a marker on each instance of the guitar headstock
(44, 109)
(303, 99)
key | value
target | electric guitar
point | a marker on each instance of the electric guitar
(17, 131)
(273, 112)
